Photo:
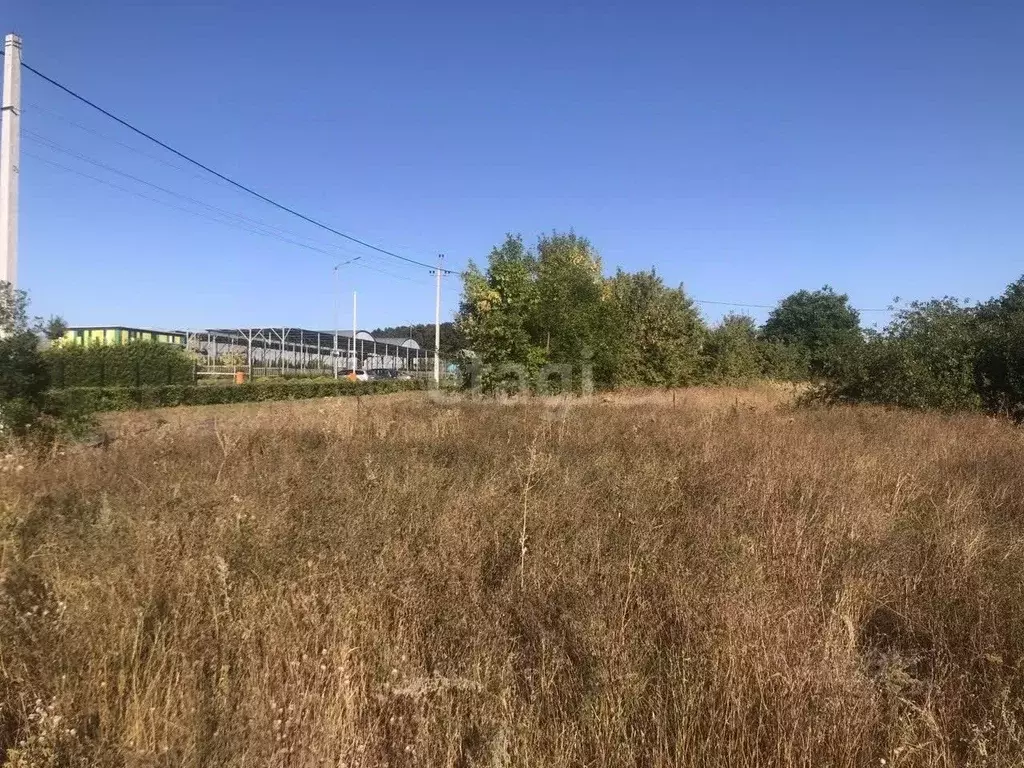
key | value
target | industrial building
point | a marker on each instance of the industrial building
(269, 350)
(107, 334)
(293, 349)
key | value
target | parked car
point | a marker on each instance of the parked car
(356, 375)
(381, 374)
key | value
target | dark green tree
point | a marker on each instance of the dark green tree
(452, 339)
(821, 323)
(782, 362)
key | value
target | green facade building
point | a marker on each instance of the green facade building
(118, 335)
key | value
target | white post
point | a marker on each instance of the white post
(437, 325)
(337, 311)
(354, 332)
(337, 319)
(10, 169)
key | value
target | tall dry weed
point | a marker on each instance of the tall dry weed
(714, 579)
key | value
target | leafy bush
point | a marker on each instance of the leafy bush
(999, 370)
(655, 331)
(925, 358)
(137, 363)
(23, 374)
(783, 362)
(736, 352)
(96, 399)
(731, 352)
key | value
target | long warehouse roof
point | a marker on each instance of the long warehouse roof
(301, 336)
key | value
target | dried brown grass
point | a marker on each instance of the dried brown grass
(724, 581)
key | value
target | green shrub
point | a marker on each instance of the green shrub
(96, 399)
(137, 363)
(23, 373)
(925, 358)
(999, 370)
(783, 362)
(730, 354)
(23, 382)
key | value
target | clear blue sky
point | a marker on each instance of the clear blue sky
(746, 149)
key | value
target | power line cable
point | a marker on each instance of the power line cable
(208, 217)
(213, 218)
(264, 228)
(285, 208)
(226, 222)
(228, 179)
(260, 222)
(734, 304)
(392, 274)
(769, 306)
(142, 195)
(32, 107)
(50, 144)
(54, 145)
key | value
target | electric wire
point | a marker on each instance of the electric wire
(31, 107)
(249, 190)
(259, 226)
(258, 195)
(768, 306)
(214, 218)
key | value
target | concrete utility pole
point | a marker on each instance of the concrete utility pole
(10, 149)
(437, 323)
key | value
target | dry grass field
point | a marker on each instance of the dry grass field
(714, 578)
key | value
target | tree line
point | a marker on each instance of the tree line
(553, 305)
(452, 340)
(945, 353)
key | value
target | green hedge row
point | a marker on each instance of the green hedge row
(135, 364)
(77, 400)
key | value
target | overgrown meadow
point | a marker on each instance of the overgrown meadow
(705, 578)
